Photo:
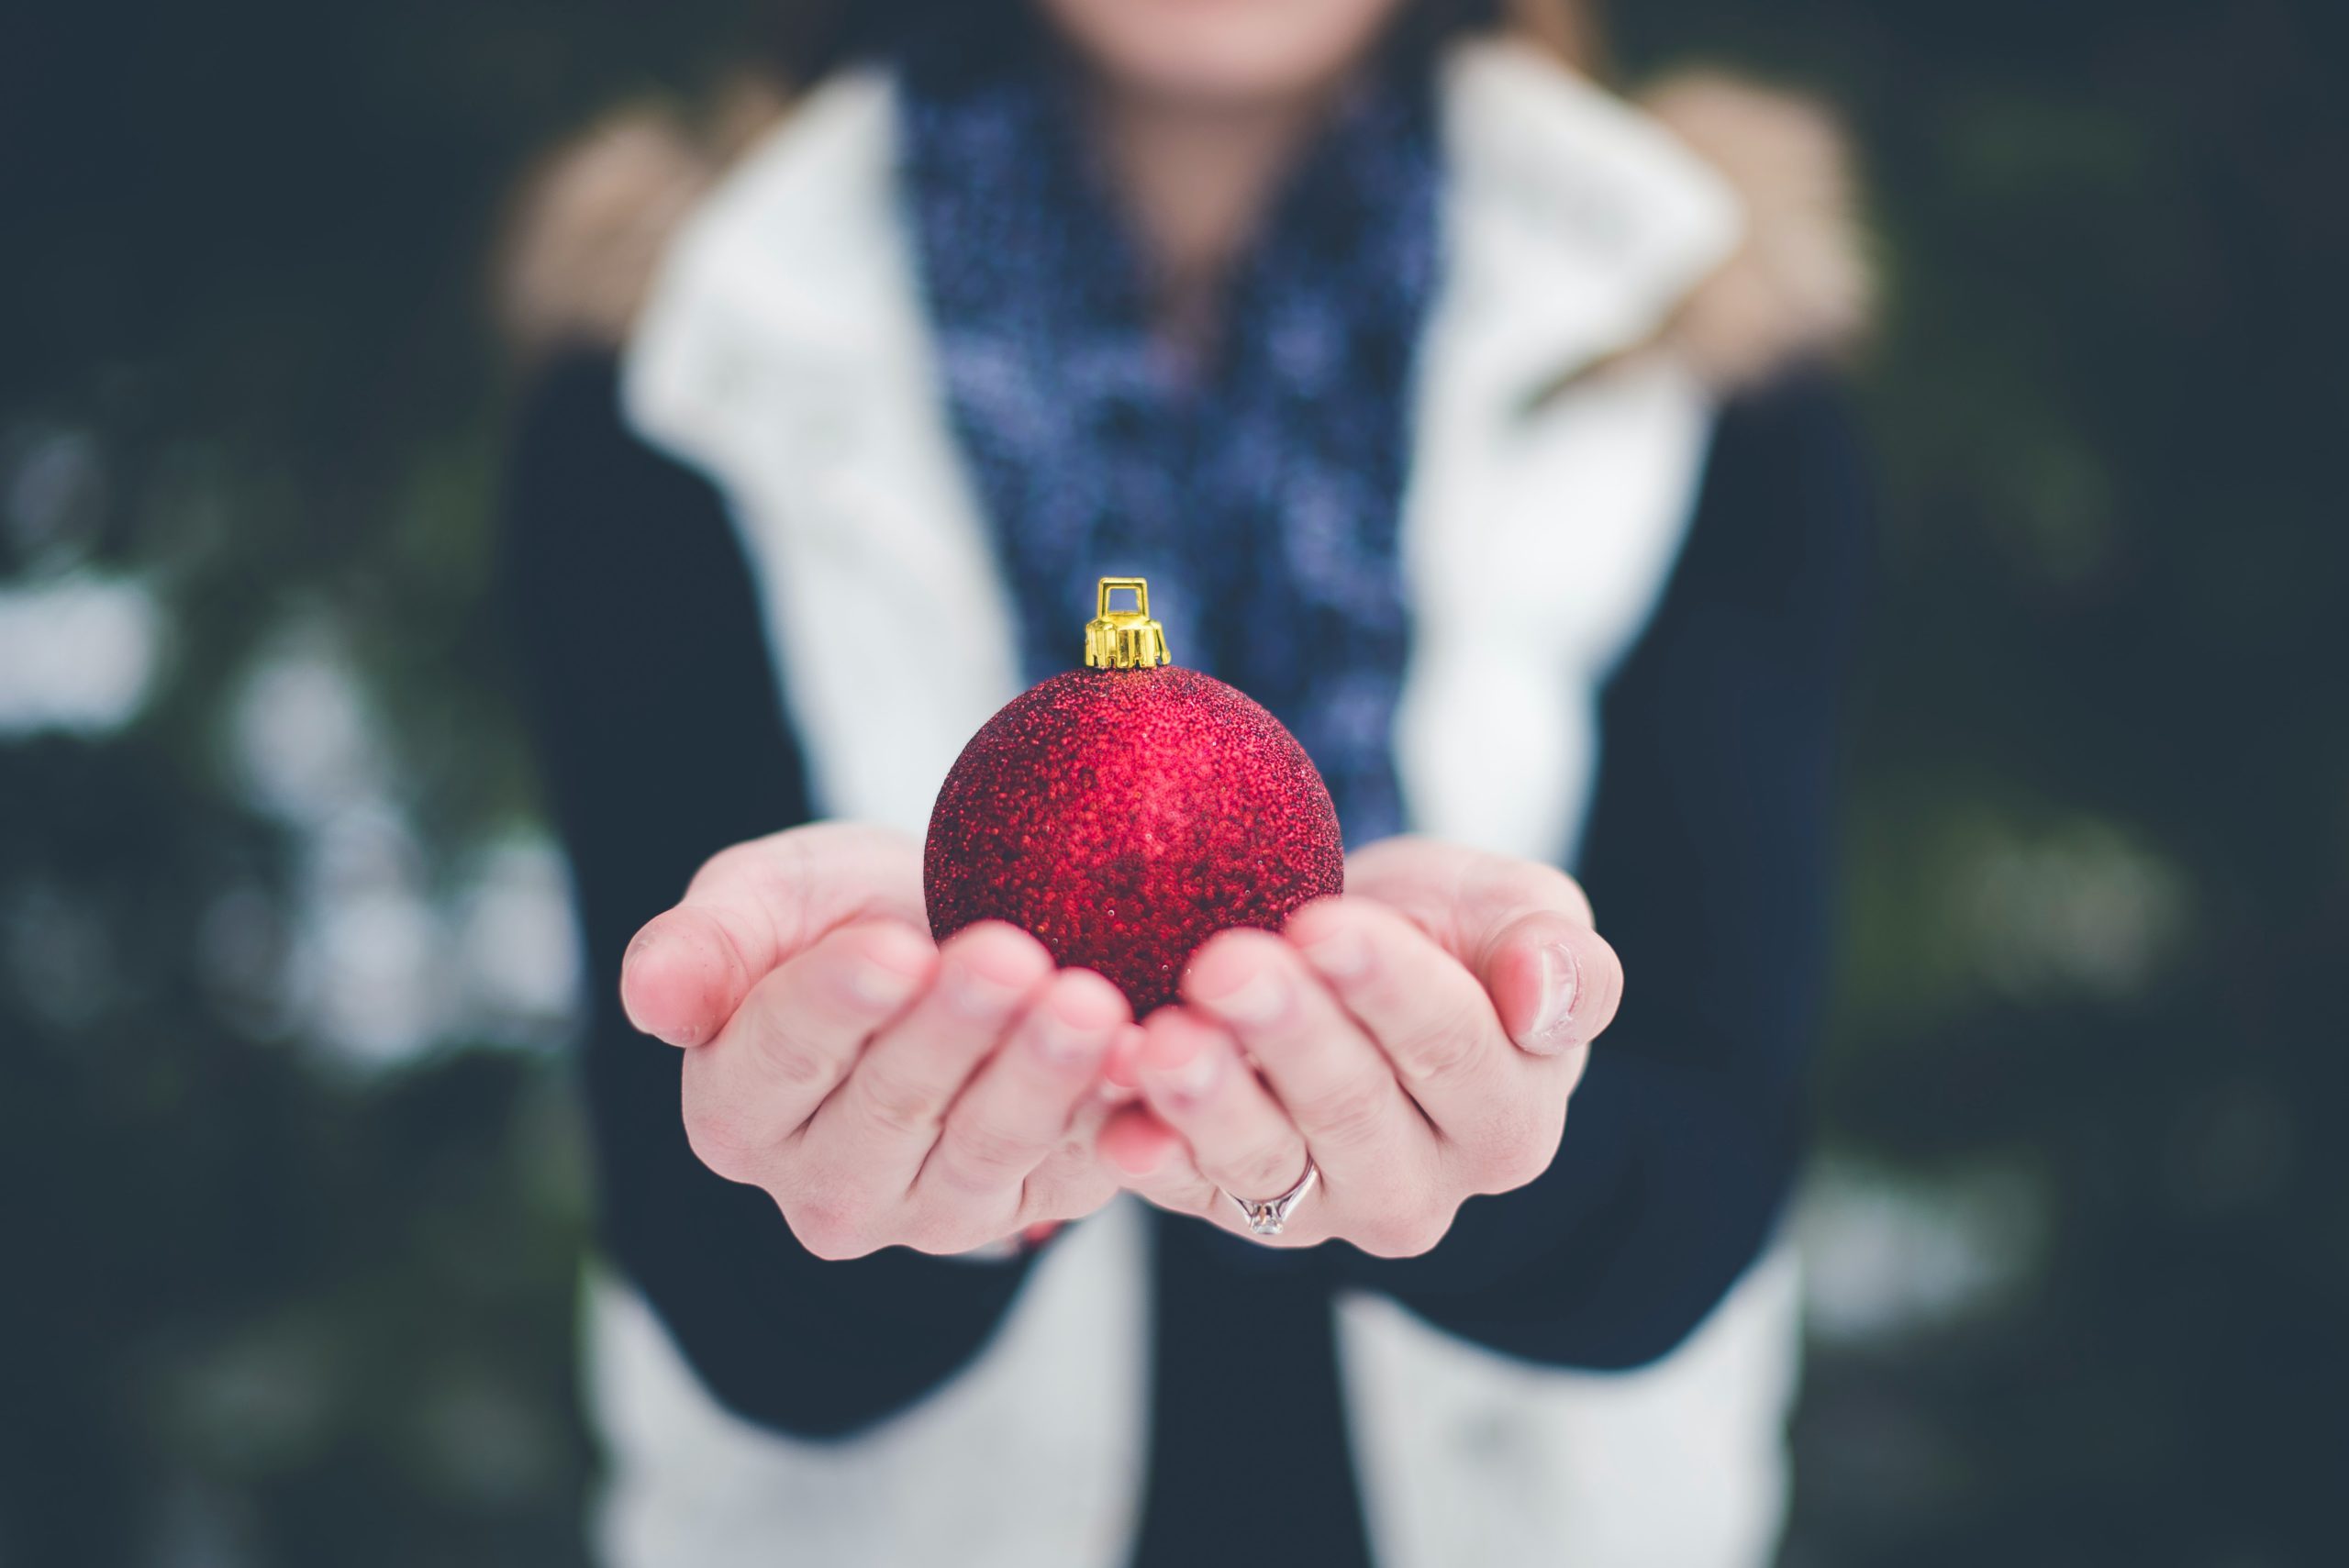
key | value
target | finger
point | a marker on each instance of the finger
(1499, 1109)
(1336, 1085)
(887, 1114)
(1449, 890)
(792, 1040)
(1122, 1074)
(1422, 1008)
(1151, 1160)
(1555, 984)
(751, 908)
(1073, 1181)
(1240, 1137)
(1020, 1105)
(1139, 1148)
(1523, 929)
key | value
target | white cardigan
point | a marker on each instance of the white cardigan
(785, 353)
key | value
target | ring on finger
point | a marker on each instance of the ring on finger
(1269, 1217)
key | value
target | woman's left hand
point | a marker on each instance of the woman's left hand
(1418, 1038)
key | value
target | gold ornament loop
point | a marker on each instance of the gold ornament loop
(1124, 640)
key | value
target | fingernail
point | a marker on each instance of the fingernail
(1167, 1049)
(1181, 1064)
(978, 995)
(1188, 1082)
(1343, 953)
(1561, 983)
(1125, 1062)
(1066, 1045)
(892, 963)
(877, 984)
(1261, 998)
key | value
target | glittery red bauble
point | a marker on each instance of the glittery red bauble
(1123, 817)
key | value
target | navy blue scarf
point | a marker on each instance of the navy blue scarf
(1260, 494)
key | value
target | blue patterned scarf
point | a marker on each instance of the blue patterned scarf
(1260, 494)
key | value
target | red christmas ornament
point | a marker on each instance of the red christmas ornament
(1126, 812)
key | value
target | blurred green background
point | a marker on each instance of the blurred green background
(292, 1187)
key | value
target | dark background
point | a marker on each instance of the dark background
(287, 1159)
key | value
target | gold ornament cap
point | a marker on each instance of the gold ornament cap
(1124, 640)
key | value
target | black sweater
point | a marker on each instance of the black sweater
(652, 690)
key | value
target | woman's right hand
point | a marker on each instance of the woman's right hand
(883, 1090)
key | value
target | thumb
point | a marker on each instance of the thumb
(1555, 983)
(1523, 929)
(752, 907)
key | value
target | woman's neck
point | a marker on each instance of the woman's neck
(1195, 180)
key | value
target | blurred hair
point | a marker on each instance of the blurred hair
(591, 219)
(590, 215)
(1573, 30)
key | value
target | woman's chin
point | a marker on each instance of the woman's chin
(1228, 54)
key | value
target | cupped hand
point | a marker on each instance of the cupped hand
(881, 1089)
(1417, 1038)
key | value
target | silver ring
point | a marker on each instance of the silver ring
(1268, 1218)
